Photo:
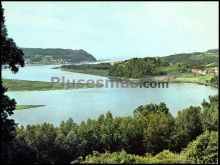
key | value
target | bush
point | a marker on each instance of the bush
(167, 157)
(204, 150)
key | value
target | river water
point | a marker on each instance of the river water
(81, 104)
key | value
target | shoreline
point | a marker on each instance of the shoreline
(156, 80)
(162, 78)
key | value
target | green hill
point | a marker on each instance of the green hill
(39, 55)
(174, 65)
(196, 59)
(142, 67)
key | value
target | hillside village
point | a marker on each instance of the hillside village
(48, 60)
(55, 56)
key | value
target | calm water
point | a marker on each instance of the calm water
(44, 73)
(81, 104)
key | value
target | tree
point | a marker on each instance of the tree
(66, 127)
(189, 121)
(179, 140)
(188, 126)
(210, 114)
(158, 132)
(151, 108)
(129, 134)
(12, 57)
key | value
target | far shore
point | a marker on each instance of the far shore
(177, 78)
(25, 85)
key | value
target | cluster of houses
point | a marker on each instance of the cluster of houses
(204, 71)
(51, 60)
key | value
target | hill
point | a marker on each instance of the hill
(196, 59)
(199, 67)
(142, 67)
(55, 55)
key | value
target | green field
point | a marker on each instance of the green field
(191, 78)
(197, 59)
(21, 107)
(24, 85)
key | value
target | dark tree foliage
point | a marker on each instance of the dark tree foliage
(12, 57)
(188, 127)
(151, 108)
(189, 120)
(158, 132)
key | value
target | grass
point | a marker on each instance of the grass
(179, 78)
(97, 72)
(193, 78)
(21, 107)
(24, 85)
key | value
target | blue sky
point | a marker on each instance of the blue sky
(115, 30)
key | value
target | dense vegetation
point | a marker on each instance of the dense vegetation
(203, 150)
(189, 137)
(141, 67)
(196, 59)
(69, 55)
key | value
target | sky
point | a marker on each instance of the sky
(115, 30)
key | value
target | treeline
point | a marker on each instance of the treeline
(69, 55)
(152, 130)
(140, 67)
(101, 66)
